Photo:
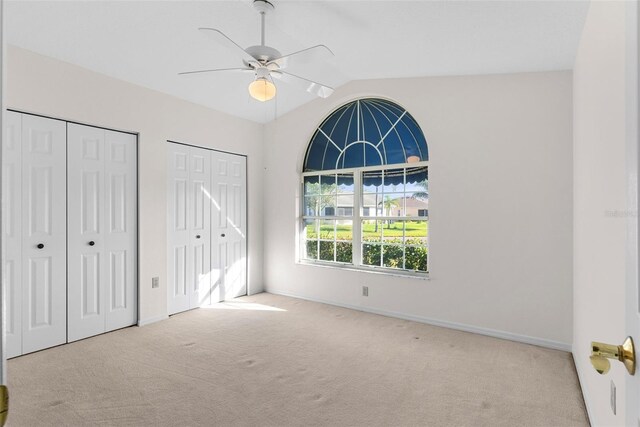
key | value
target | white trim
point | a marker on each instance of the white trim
(365, 168)
(541, 342)
(150, 320)
(584, 395)
(362, 217)
(356, 235)
(387, 271)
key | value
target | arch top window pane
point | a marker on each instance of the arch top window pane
(366, 132)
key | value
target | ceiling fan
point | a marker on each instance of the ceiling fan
(267, 63)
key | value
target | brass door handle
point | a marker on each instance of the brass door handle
(601, 353)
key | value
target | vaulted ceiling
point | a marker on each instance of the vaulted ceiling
(149, 42)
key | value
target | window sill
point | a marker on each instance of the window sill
(372, 270)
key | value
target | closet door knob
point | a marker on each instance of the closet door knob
(91, 243)
(40, 246)
(222, 235)
(197, 236)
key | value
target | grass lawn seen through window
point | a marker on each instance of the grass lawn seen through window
(394, 229)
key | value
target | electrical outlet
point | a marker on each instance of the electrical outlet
(155, 282)
(365, 291)
(613, 397)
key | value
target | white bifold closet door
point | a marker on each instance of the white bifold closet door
(189, 227)
(12, 231)
(35, 231)
(229, 226)
(101, 230)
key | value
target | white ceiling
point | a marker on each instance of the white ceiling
(149, 42)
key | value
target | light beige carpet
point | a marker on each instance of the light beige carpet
(268, 360)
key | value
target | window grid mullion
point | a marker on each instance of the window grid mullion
(363, 169)
(383, 179)
(404, 223)
(335, 237)
(316, 225)
(356, 243)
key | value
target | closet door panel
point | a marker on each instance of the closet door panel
(229, 231)
(44, 233)
(236, 278)
(12, 232)
(87, 263)
(200, 226)
(179, 272)
(120, 274)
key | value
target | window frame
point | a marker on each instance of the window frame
(357, 219)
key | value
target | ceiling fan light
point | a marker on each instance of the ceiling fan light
(262, 89)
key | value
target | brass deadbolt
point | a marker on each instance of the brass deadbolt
(625, 353)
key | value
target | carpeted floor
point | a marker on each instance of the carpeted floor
(268, 360)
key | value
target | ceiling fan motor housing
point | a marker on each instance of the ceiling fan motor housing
(263, 53)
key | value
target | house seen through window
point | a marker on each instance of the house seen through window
(366, 189)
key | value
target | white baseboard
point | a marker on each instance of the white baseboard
(541, 342)
(584, 396)
(150, 320)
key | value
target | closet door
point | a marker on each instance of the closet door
(85, 202)
(229, 226)
(178, 239)
(12, 233)
(120, 243)
(44, 233)
(189, 232)
(200, 227)
(101, 231)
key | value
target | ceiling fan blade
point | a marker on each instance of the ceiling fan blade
(214, 70)
(222, 39)
(314, 53)
(310, 86)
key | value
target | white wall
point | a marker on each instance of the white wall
(39, 84)
(600, 199)
(500, 209)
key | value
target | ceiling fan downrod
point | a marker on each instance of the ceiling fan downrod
(263, 7)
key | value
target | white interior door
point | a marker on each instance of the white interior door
(229, 226)
(178, 238)
(189, 228)
(633, 330)
(44, 233)
(101, 230)
(12, 235)
(199, 225)
(121, 228)
(632, 308)
(86, 223)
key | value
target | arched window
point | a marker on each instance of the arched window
(365, 189)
